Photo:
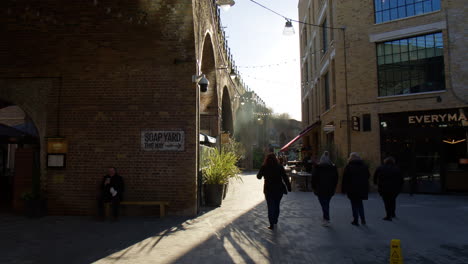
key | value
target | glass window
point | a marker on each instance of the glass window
(411, 65)
(326, 94)
(387, 10)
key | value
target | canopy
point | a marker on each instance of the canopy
(303, 132)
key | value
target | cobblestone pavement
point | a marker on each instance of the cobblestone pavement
(432, 229)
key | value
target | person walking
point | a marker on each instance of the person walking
(356, 185)
(389, 180)
(324, 181)
(110, 191)
(276, 184)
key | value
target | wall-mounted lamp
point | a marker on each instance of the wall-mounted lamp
(233, 74)
(202, 82)
(288, 28)
(225, 4)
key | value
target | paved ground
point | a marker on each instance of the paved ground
(432, 229)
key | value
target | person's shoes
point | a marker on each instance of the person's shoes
(387, 218)
(394, 216)
(325, 223)
(272, 227)
(363, 222)
(355, 222)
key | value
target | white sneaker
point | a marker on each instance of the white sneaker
(325, 223)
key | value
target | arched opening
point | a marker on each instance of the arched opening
(227, 125)
(209, 99)
(19, 157)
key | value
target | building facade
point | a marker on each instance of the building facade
(87, 85)
(386, 78)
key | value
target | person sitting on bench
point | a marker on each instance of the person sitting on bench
(110, 191)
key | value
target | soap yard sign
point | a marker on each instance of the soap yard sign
(163, 140)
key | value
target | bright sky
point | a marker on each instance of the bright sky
(255, 36)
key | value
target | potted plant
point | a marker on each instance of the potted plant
(34, 204)
(221, 167)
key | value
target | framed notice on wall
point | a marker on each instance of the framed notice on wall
(162, 140)
(56, 160)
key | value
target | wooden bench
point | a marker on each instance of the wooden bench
(162, 205)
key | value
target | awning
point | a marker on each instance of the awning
(303, 132)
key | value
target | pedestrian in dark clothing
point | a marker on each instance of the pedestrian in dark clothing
(389, 180)
(356, 185)
(110, 191)
(324, 181)
(276, 184)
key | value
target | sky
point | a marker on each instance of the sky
(267, 61)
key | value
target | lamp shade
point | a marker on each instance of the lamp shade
(225, 4)
(288, 29)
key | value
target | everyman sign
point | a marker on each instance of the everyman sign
(162, 140)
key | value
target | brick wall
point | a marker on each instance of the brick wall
(113, 65)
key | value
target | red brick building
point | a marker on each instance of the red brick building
(99, 75)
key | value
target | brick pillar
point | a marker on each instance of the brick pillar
(22, 180)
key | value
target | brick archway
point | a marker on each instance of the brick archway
(209, 113)
(227, 125)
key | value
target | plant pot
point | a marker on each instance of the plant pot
(213, 194)
(34, 208)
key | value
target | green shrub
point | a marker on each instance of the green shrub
(221, 167)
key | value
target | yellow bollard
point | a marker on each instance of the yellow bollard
(395, 252)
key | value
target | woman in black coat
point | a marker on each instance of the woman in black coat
(389, 179)
(356, 185)
(276, 184)
(324, 181)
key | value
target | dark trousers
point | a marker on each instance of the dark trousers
(390, 204)
(358, 209)
(115, 204)
(325, 203)
(273, 203)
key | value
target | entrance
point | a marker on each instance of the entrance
(19, 157)
(430, 148)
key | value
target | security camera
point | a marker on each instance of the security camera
(203, 83)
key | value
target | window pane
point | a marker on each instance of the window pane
(380, 60)
(427, 6)
(430, 52)
(380, 49)
(385, 4)
(385, 16)
(421, 42)
(401, 2)
(378, 5)
(409, 1)
(388, 48)
(393, 3)
(435, 5)
(421, 54)
(388, 59)
(410, 10)
(396, 46)
(378, 17)
(402, 11)
(393, 14)
(418, 8)
(404, 56)
(404, 45)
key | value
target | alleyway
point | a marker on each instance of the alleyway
(432, 229)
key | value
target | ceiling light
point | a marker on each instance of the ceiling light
(225, 4)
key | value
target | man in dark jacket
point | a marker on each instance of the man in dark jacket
(110, 191)
(356, 185)
(324, 181)
(389, 180)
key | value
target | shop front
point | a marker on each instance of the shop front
(430, 148)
